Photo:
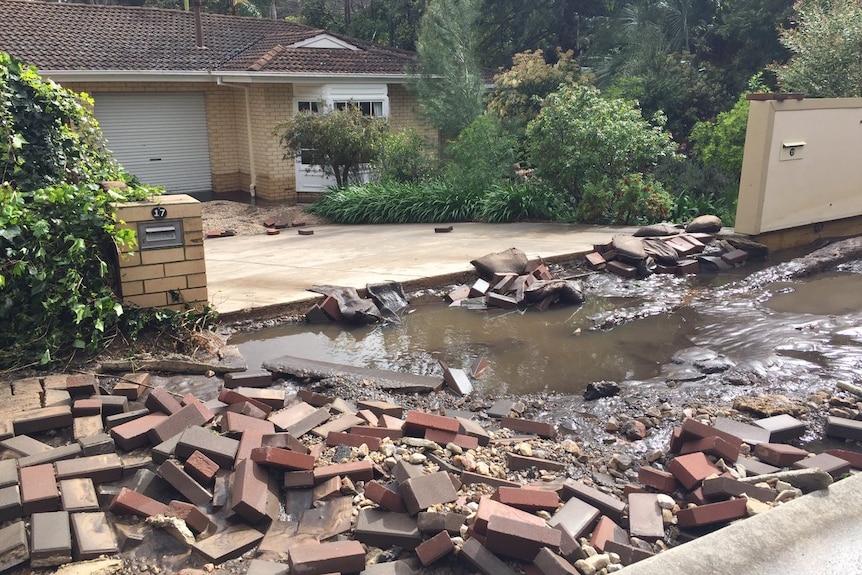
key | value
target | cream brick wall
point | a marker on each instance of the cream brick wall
(276, 178)
(164, 277)
(404, 113)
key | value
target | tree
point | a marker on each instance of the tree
(721, 142)
(742, 39)
(518, 91)
(580, 137)
(449, 85)
(338, 141)
(827, 49)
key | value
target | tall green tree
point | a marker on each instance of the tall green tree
(508, 27)
(449, 84)
(827, 49)
(518, 92)
(743, 39)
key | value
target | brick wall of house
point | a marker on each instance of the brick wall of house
(270, 104)
(404, 113)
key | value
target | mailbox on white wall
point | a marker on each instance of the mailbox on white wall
(791, 151)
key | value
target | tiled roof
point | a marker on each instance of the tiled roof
(85, 37)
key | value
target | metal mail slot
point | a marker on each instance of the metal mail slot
(160, 234)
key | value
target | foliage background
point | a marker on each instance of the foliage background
(57, 229)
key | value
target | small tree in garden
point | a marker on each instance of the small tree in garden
(336, 141)
(449, 82)
(579, 137)
(518, 91)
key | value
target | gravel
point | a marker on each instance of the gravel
(247, 219)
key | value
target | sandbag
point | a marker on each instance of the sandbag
(704, 224)
(629, 249)
(660, 251)
(569, 292)
(512, 260)
(657, 231)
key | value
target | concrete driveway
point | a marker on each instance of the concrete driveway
(252, 272)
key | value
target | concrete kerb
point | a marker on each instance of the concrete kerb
(299, 306)
(817, 533)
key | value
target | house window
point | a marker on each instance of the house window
(368, 107)
(307, 107)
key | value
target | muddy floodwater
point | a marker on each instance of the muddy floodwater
(787, 329)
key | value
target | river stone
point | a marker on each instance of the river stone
(715, 364)
(768, 405)
(629, 248)
(657, 231)
(633, 429)
(512, 260)
(660, 251)
(704, 224)
(598, 389)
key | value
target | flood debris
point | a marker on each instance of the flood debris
(509, 280)
(668, 249)
(311, 483)
(385, 303)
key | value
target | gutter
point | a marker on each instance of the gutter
(207, 76)
(251, 165)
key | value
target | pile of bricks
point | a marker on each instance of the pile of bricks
(680, 254)
(730, 470)
(512, 290)
(311, 483)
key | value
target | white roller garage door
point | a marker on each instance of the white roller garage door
(159, 137)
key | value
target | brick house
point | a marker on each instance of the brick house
(192, 104)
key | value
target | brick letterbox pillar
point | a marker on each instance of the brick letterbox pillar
(166, 268)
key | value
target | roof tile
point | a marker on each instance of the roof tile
(84, 37)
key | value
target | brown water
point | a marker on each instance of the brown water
(787, 330)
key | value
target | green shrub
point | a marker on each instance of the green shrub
(58, 234)
(55, 281)
(520, 201)
(721, 142)
(482, 154)
(579, 138)
(633, 200)
(699, 189)
(47, 134)
(431, 201)
(403, 157)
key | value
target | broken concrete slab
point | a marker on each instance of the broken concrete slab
(384, 379)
